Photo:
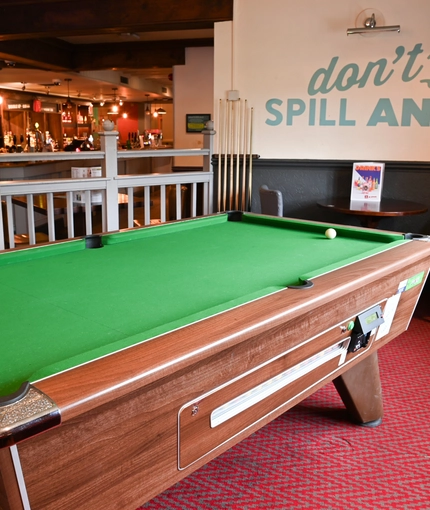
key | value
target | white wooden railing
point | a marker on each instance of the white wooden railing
(118, 192)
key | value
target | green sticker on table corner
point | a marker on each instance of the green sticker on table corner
(415, 280)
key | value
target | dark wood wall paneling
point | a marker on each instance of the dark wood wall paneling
(304, 182)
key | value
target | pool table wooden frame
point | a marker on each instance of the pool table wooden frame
(136, 422)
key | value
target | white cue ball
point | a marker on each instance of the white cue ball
(330, 233)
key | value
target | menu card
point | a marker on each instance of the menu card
(367, 180)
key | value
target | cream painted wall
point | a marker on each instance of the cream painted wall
(273, 51)
(193, 93)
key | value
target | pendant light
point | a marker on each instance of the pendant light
(147, 108)
(159, 111)
(115, 108)
(69, 103)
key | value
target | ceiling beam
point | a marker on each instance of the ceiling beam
(54, 55)
(46, 54)
(44, 18)
(134, 55)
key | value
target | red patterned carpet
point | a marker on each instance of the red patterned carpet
(312, 457)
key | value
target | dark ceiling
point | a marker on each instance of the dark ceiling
(76, 39)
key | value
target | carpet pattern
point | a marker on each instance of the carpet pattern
(312, 457)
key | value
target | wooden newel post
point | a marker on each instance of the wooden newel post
(108, 142)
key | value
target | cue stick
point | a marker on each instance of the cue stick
(245, 128)
(224, 190)
(231, 133)
(219, 157)
(238, 126)
(250, 158)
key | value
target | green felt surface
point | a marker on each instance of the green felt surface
(63, 305)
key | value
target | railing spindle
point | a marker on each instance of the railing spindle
(51, 218)
(30, 219)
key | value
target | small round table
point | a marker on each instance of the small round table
(369, 213)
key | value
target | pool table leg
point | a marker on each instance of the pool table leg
(361, 392)
(10, 498)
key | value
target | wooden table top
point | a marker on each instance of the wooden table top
(387, 207)
(370, 212)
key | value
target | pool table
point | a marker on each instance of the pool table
(130, 359)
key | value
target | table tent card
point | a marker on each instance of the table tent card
(367, 180)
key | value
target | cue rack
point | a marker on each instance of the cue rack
(234, 179)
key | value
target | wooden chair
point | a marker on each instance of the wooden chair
(271, 201)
